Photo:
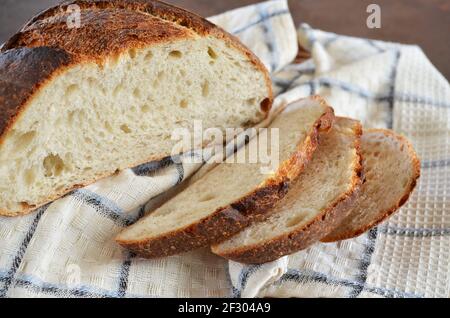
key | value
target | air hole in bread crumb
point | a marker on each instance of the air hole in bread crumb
(175, 54)
(71, 89)
(137, 92)
(212, 54)
(125, 129)
(294, 221)
(184, 103)
(24, 140)
(92, 81)
(71, 118)
(205, 89)
(30, 176)
(132, 53)
(145, 108)
(118, 90)
(114, 60)
(108, 127)
(148, 56)
(53, 165)
(159, 78)
(250, 101)
(207, 197)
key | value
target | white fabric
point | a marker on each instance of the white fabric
(67, 249)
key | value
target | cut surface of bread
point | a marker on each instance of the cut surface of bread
(232, 195)
(78, 104)
(391, 170)
(314, 205)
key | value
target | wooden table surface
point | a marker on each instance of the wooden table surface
(422, 22)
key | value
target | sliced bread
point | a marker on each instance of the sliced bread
(391, 170)
(315, 204)
(232, 195)
(79, 102)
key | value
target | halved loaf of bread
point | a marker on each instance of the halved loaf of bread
(232, 195)
(391, 170)
(315, 204)
(79, 102)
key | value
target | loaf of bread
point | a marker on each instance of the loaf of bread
(391, 170)
(78, 103)
(315, 204)
(232, 195)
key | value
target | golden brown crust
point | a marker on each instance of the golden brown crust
(383, 215)
(110, 27)
(46, 47)
(303, 237)
(103, 32)
(229, 220)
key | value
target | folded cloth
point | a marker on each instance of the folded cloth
(67, 248)
(384, 85)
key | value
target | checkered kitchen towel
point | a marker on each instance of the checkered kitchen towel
(67, 248)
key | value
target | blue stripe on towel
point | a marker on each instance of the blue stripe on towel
(244, 275)
(126, 265)
(414, 232)
(261, 19)
(150, 167)
(269, 34)
(9, 278)
(304, 276)
(38, 285)
(104, 206)
(365, 263)
(436, 163)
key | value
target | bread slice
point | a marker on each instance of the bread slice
(391, 170)
(78, 103)
(315, 204)
(232, 195)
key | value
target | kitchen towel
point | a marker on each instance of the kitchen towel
(67, 248)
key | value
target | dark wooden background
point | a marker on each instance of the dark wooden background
(422, 22)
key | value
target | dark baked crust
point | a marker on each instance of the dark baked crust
(383, 215)
(103, 32)
(303, 237)
(108, 27)
(224, 223)
(46, 47)
(22, 72)
(229, 220)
